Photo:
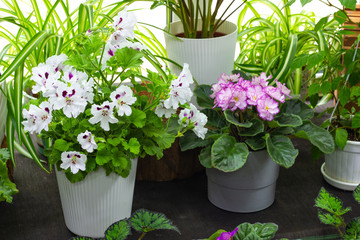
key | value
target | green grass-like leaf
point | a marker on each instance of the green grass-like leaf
(146, 221)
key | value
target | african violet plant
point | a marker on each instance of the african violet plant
(250, 115)
(101, 110)
(142, 221)
(331, 211)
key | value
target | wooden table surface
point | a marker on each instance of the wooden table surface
(36, 213)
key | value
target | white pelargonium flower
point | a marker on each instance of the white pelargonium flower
(124, 23)
(74, 160)
(57, 62)
(37, 118)
(195, 117)
(87, 141)
(161, 111)
(122, 99)
(70, 99)
(103, 114)
(44, 77)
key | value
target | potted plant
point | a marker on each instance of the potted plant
(102, 113)
(201, 37)
(250, 125)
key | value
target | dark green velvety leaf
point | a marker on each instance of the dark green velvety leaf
(256, 128)
(231, 118)
(288, 120)
(297, 107)
(318, 136)
(205, 157)
(265, 231)
(202, 93)
(281, 150)
(215, 119)
(244, 230)
(352, 230)
(146, 221)
(357, 194)
(282, 131)
(191, 141)
(118, 231)
(256, 143)
(341, 136)
(227, 154)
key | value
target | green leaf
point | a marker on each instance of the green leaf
(281, 150)
(202, 93)
(244, 230)
(314, 89)
(114, 141)
(151, 148)
(340, 16)
(118, 231)
(318, 136)
(356, 194)
(205, 157)
(321, 23)
(304, 2)
(355, 91)
(265, 231)
(297, 107)
(299, 61)
(288, 120)
(61, 145)
(315, 59)
(165, 140)
(215, 118)
(227, 154)
(138, 118)
(191, 141)
(126, 58)
(146, 221)
(349, 4)
(133, 145)
(352, 230)
(341, 136)
(217, 234)
(344, 95)
(256, 128)
(103, 156)
(325, 87)
(231, 118)
(256, 143)
(355, 123)
(7, 188)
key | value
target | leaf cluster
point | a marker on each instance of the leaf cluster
(331, 211)
(233, 134)
(142, 221)
(7, 188)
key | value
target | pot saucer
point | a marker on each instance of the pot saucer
(337, 183)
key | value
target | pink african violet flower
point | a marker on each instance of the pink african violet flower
(230, 78)
(267, 108)
(275, 93)
(261, 80)
(223, 98)
(254, 94)
(238, 100)
(227, 235)
(282, 88)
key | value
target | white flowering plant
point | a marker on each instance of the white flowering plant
(251, 114)
(101, 110)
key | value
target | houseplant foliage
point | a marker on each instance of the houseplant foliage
(331, 211)
(250, 115)
(7, 188)
(293, 48)
(142, 221)
(190, 11)
(39, 35)
(99, 107)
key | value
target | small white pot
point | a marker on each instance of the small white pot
(342, 168)
(3, 112)
(208, 58)
(93, 204)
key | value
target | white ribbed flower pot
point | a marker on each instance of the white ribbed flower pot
(92, 205)
(342, 168)
(249, 189)
(3, 112)
(208, 58)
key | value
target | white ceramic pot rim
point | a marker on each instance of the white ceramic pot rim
(226, 23)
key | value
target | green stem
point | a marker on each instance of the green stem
(142, 235)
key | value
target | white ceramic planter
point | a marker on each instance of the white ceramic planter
(342, 168)
(207, 58)
(92, 205)
(249, 189)
(3, 113)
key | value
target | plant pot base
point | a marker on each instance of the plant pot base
(337, 183)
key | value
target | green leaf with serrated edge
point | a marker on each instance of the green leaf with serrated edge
(349, 3)
(114, 141)
(299, 61)
(191, 141)
(146, 221)
(215, 118)
(202, 93)
(138, 118)
(314, 59)
(329, 203)
(7, 188)
(352, 230)
(335, 83)
(344, 95)
(61, 145)
(355, 91)
(314, 89)
(317, 136)
(304, 2)
(227, 154)
(205, 157)
(165, 140)
(133, 145)
(229, 115)
(126, 58)
(356, 194)
(325, 87)
(73, 178)
(341, 136)
(119, 158)
(281, 150)
(297, 107)
(118, 231)
(330, 219)
(265, 231)
(151, 148)
(288, 120)
(355, 123)
(103, 156)
(256, 128)
(256, 143)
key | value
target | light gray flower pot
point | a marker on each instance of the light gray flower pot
(249, 189)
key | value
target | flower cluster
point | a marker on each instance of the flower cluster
(234, 92)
